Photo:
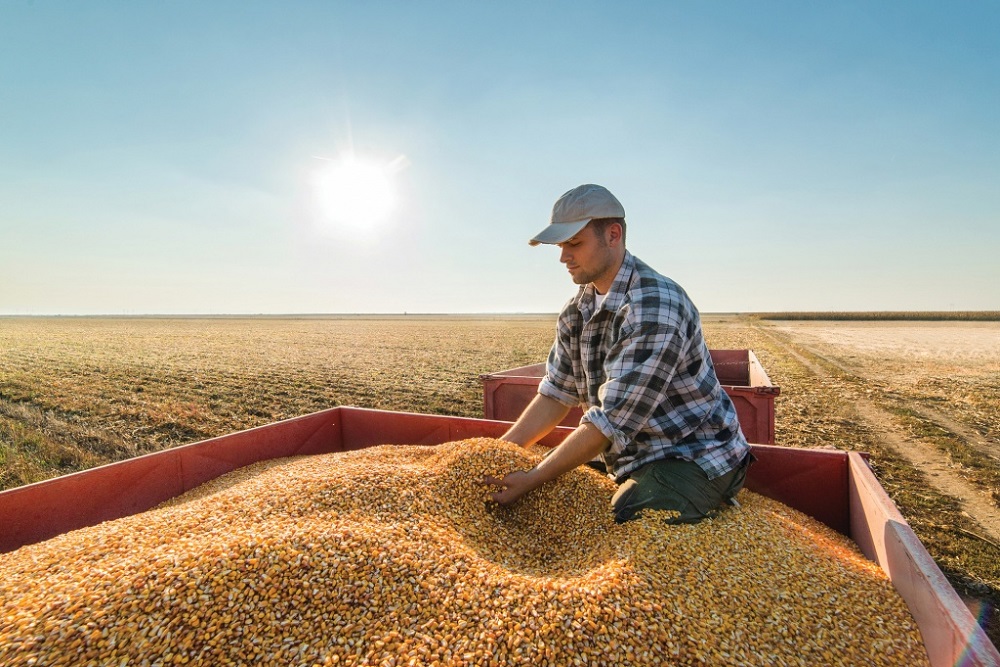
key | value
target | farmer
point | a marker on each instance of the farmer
(629, 350)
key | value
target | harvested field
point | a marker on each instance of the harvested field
(78, 392)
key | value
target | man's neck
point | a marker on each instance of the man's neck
(603, 284)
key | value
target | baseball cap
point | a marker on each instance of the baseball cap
(575, 209)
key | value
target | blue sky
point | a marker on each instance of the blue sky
(159, 157)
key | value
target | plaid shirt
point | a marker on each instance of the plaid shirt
(641, 370)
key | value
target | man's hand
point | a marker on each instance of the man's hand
(580, 446)
(514, 485)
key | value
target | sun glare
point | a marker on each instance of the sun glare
(356, 192)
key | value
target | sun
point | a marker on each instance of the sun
(354, 191)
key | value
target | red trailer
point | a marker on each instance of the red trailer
(506, 393)
(838, 488)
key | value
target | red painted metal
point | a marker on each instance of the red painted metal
(835, 487)
(42, 510)
(507, 393)
(813, 481)
(36, 512)
(950, 633)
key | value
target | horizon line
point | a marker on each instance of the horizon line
(758, 313)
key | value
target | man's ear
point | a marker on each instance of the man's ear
(614, 234)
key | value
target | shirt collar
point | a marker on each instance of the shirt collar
(616, 295)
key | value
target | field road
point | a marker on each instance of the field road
(941, 472)
(984, 444)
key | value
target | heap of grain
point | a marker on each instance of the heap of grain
(391, 556)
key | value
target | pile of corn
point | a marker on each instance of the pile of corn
(392, 556)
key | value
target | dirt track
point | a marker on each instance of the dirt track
(941, 472)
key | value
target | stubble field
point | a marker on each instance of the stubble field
(923, 398)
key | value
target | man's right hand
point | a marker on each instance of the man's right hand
(513, 485)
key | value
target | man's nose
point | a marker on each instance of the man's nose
(564, 255)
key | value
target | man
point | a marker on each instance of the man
(629, 349)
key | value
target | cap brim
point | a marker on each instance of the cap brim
(557, 232)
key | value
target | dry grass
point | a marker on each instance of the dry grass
(77, 392)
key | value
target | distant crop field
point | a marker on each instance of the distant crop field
(887, 316)
(76, 392)
(922, 397)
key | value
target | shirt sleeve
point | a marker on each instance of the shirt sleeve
(639, 368)
(559, 382)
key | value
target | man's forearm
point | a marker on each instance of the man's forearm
(541, 416)
(580, 446)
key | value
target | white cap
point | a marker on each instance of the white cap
(575, 209)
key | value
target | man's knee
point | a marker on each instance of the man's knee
(679, 488)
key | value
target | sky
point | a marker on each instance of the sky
(178, 157)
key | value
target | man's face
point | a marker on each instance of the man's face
(589, 258)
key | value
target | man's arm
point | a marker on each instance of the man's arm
(580, 446)
(541, 416)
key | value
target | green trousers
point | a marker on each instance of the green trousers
(678, 485)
